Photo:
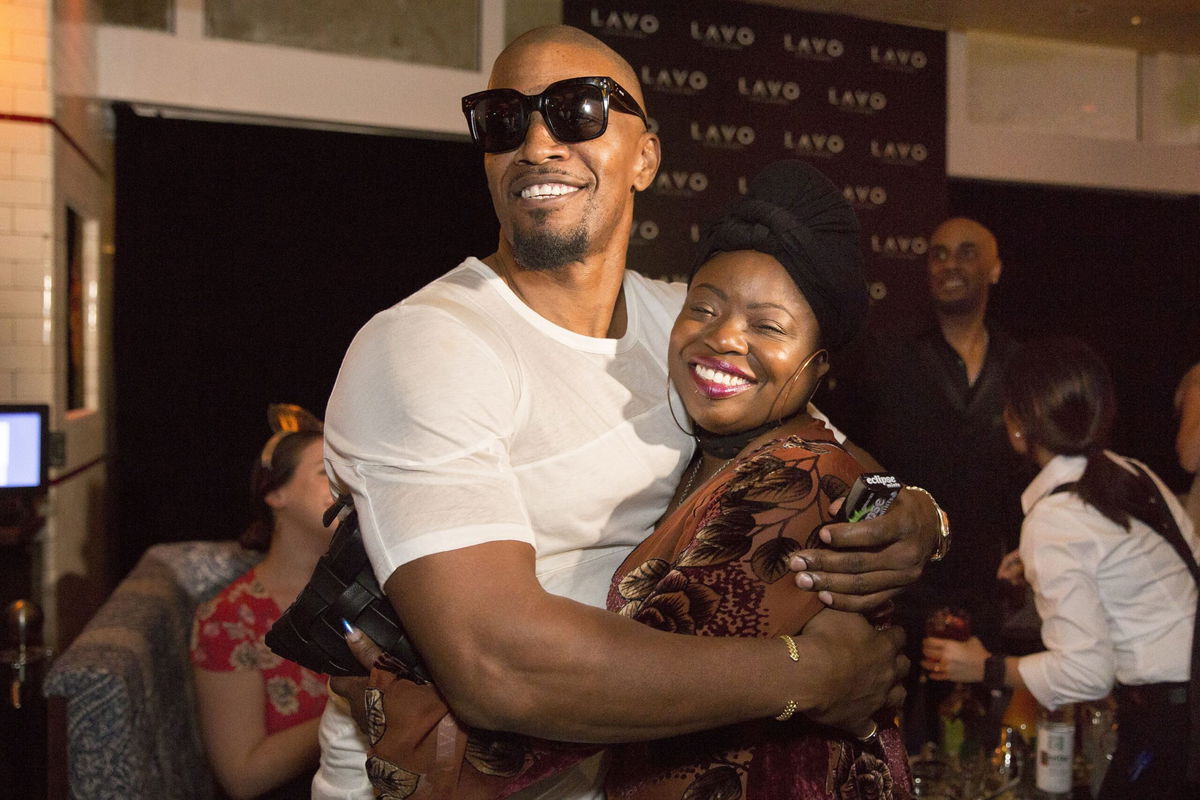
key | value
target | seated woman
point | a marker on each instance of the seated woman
(779, 284)
(1110, 555)
(259, 713)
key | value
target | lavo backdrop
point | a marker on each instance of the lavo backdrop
(732, 87)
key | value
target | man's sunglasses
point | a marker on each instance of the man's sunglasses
(575, 110)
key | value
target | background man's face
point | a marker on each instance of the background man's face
(963, 265)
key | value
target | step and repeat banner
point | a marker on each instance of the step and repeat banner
(731, 87)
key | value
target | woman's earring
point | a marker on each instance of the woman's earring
(671, 408)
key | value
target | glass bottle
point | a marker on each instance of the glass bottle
(1055, 753)
(1021, 714)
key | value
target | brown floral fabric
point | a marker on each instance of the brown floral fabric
(717, 566)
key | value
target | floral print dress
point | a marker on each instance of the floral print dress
(227, 636)
(716, 566)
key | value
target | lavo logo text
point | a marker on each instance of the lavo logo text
(675, 80)
(857, 100)
(898, 58)
(907, 152)
(865, 195)
(723, 35)
(646, 229)
(723, 135)
(770, 91)
(678, 181)
(903, 246)
(814, 143)
(813, 47)
(625, 22)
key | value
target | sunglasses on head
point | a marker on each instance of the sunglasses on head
(575, 110)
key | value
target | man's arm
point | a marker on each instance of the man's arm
(509, 656)
(413, 441)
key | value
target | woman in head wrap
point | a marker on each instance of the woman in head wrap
(778, 285)
(258, 713)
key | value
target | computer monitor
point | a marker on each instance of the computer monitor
(24, 445)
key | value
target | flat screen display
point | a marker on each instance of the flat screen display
(22, 447)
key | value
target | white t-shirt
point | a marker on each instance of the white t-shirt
(1116, 605)
(461, 416)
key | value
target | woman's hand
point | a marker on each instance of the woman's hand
(353, 689)
(950, 660)
(873, 560)
(1011, 569)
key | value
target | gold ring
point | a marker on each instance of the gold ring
(870, 737)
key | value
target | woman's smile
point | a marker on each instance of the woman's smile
(716, 378)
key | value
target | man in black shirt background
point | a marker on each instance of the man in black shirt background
(928, 406)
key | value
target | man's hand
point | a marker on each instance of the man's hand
(353, 688)
(950, 660)
(873, 560)
(866, 672)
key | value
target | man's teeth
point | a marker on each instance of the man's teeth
(716, 376)
(547, 190)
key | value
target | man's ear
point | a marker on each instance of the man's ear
(649, 159)
(997, 268)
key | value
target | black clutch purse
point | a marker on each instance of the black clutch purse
(343, 587)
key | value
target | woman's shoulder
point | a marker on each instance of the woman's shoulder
(805, 441)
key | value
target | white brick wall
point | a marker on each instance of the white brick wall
(26, 201)
(26, 258)
(48, 73)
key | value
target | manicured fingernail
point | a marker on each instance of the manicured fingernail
(352, 633)
(826, 536)
(804, 580)
(798, 564)
(825, 597)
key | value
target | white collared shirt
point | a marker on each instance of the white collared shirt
(1116, 605)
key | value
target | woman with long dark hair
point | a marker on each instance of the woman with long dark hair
(1110, 555)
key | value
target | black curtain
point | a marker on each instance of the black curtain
(1119, 270)
(247, 257)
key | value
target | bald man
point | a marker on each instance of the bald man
(929, 406)
(506, 437)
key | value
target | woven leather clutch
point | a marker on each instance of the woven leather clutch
(343, 586)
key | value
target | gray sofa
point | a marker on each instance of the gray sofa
(127, 683)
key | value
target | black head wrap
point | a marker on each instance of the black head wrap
(795, 214)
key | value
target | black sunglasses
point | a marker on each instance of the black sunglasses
(575, 110)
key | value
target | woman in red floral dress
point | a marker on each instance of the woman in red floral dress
(259, 713)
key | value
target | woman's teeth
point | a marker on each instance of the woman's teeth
(717, 376)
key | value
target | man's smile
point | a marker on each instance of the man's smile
(544, 191)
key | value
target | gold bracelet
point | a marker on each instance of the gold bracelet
(787, 712)
(794, 655)
(943, 543)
